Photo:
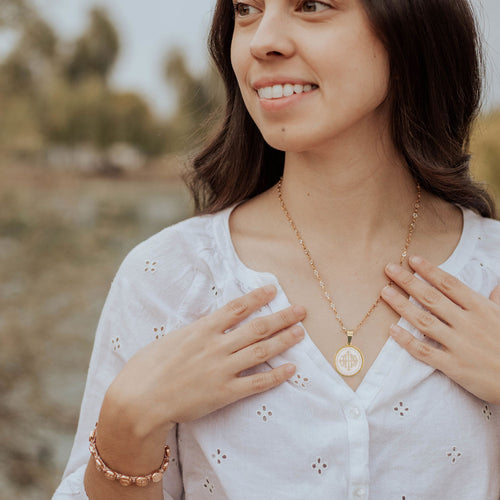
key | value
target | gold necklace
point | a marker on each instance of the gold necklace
(348, 359)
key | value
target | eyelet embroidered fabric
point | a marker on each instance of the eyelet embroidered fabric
(312, 437)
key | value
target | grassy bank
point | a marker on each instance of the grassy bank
(62, 237)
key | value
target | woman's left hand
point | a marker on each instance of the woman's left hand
(466, 324)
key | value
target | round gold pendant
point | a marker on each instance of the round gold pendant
(348, 361)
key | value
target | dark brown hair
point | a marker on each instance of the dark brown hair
(435, 94)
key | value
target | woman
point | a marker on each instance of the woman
(371, 103)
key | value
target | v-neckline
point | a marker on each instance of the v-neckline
(389, 355)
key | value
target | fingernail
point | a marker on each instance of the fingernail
(269, 289)
(299, 310)
(415, 259)
(393, 268)
(388, 291)
(395, 330)
(290, 370)
(297, 331)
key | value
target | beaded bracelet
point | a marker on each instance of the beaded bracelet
(123, 479)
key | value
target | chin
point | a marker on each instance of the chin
(290, 141)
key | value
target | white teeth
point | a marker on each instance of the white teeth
(266, 93)
(277, 91)
(286, 90)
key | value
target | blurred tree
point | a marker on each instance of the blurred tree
(25, 74)
(199, 98)
(75, 114)
(58, 93)
(14, 13)
(134, 123)
(485, 146)
(96, 50)
(55, 93)
(91, 113)
(33, 60)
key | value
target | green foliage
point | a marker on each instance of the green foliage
(485, 147)
(199, 98)
(32, 60)
(14, 13)
(58, 93)
(96, 51)
(135, 124)
(73, 114)
(194, 94)
(15, 75)
(90, 113)
(39, 39)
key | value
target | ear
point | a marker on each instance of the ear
(495, 295)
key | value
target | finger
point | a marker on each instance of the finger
(420, 350)
(241, 308)
(264, 326)
(431, 298)
(426, 322)
(495, 295)
(263, 351)
(450, 286)
(264, 381)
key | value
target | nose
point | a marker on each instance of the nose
(272, 37)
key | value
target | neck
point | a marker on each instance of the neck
(354, 194)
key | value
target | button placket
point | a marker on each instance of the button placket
(359, 437)
(354, 413)
(359, 493)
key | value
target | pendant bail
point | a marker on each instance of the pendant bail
(350, 334)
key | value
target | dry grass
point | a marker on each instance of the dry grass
(62, 237)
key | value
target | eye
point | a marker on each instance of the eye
(243, 9)
(314, 6)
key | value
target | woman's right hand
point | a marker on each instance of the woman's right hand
(194, 371)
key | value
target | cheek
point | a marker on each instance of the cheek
(364, 79)
(239, 60)
(380, 70)
(375, 66)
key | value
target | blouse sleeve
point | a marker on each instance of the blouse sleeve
(144, 302)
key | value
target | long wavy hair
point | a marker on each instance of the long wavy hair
(434, 93)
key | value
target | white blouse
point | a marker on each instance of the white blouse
(407, 433)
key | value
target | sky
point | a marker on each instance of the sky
(148, 28)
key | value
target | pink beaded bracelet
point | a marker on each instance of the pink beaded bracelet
(123, 479)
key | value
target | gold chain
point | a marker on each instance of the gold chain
(404, 254)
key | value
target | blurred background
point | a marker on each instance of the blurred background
(101, 105)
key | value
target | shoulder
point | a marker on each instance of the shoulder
(177, 263)
(487, 245)
(490, 227)
(175, 249)
(164, 283)
(489, 236)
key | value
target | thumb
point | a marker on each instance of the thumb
(495, 295)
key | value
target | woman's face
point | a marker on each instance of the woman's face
(309, 72)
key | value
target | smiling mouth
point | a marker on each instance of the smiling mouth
(286, 90)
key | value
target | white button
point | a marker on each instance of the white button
(354, 412)
(359, 493)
